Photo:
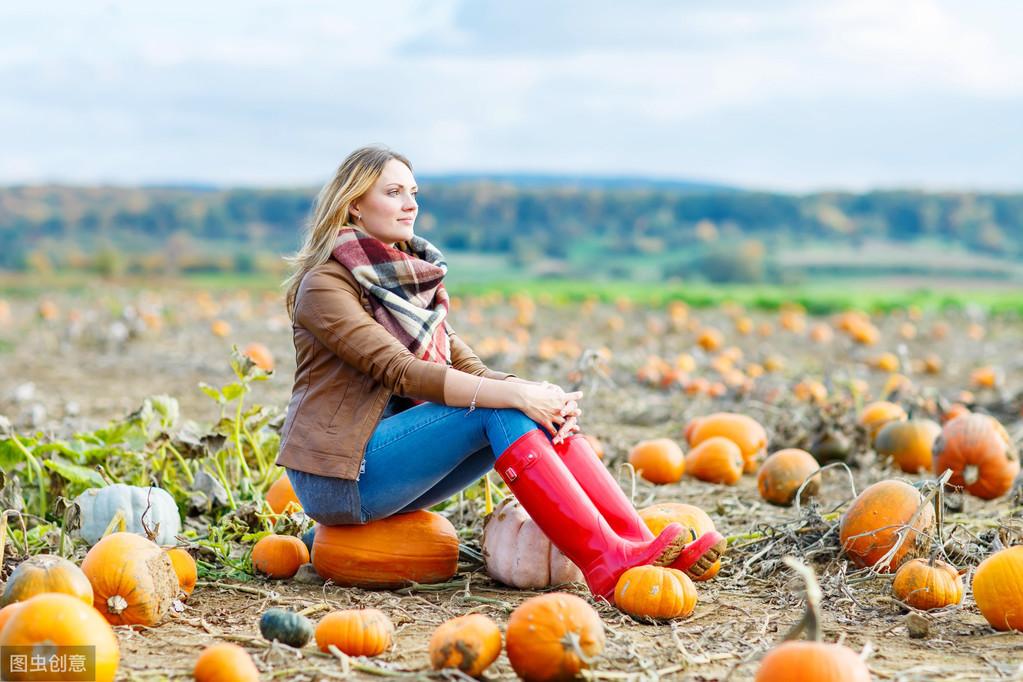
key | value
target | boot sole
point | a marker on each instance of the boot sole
(671, 551)
(707, 560)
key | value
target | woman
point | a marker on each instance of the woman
(392, 412)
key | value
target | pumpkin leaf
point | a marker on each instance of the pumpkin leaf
(233, 391)
(211, 391)
(9, 455)
(75, 474)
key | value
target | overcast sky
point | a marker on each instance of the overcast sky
(784, 94)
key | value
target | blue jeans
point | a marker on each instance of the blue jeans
(413, 460)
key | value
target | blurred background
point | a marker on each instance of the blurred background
(159, 160)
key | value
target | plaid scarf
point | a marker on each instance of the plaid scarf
(407, 295)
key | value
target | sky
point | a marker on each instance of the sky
(787, 95)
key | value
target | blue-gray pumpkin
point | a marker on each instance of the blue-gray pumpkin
(150, 505)
(286, 627)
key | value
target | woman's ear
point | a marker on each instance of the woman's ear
(354, 212)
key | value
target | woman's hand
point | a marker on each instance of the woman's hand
(570, 426)
(549, 406)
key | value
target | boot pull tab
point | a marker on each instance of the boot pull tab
(529, 460)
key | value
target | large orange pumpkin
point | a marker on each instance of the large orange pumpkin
(716, 460)
(692, 518)
(357, 632)
(877, 414)
(279, 556)
(909, 443)
(46, 573)
(742, 430)
(978, 451)
(547, 634)
(871, 525)
(56, 619)
(420, 547)
(998, 588)
(133, 580)
(817, 661)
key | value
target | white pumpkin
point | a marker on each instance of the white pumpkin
(99, 505)
(517, 553)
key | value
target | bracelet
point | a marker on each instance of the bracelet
(472, 404)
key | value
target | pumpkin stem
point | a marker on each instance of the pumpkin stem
(118, 523)
(810, 622)
(572, 643)
(971, 474)
(116, 604)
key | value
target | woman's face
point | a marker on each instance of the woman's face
(388, 210)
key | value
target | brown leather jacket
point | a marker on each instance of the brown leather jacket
(348, 367)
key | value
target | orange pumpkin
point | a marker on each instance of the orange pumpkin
(783, 472)
(655, 592)
(46, 573)
(133, 580)
(225, 662)
(470, 643)
(954, 410)
(281, 496)
(420, 547)
(279, 556)
(817, 661)
(692, 518)
(909, 443)
(715, 460)
(927, 585)
(7, 611)
(877, 414)
(184, 568)
(55, 619)
(998, 588)
(260, 356)
(546, 635)
(659, 460)
(870, 527)
(356, 632)
(978, 451)
(742, 430)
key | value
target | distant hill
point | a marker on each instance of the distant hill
(571, 226)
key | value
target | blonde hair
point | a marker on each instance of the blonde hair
(354, 177)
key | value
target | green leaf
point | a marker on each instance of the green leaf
(10, 454)
(233, 391)
(81, 477)
(211, 392)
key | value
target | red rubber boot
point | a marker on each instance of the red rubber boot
(695, 559)
(557, 504)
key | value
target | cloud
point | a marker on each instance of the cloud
(268, 92)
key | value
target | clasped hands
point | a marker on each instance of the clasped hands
(556, 410)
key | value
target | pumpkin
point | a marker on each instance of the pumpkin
(927, 585)
(659, 460)
(260, 356)
(133, 580)
(655, 592)
(286, 627)
(783, 472)
(149, 508)
(225, 662)
(978, 451)
(817, 661)
(356, 632)
(470, 643)
(954, 410)
(998, 588)
(46, 573)
(281, 496)
(553, 637)
(715, 460)
(870, 527)
(908, 443)
(185, 568)
(692, 518)
(58, 620)
(877, 414)
(7, 611)
(279, 556)
(420, 547)
(517, 553)
(744, 431)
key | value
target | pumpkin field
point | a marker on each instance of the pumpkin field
(862, 463)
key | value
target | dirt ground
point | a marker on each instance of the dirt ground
(62, 376)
